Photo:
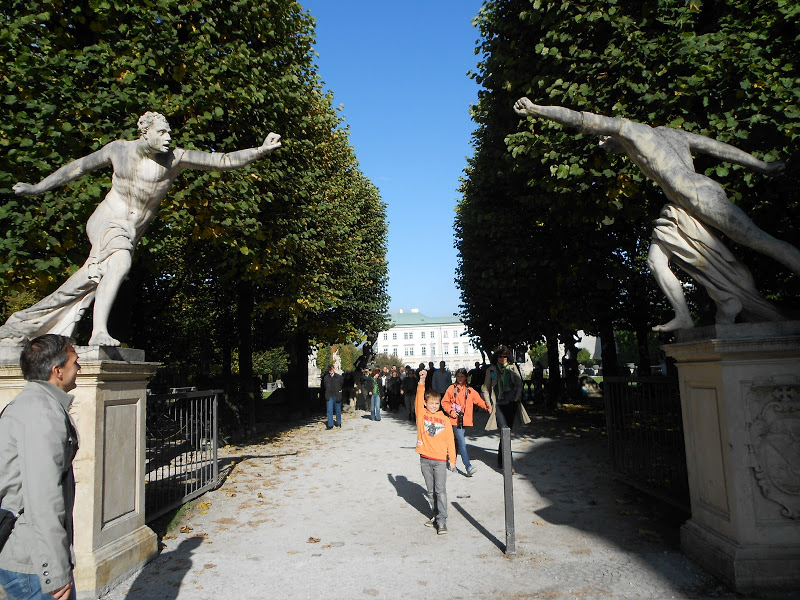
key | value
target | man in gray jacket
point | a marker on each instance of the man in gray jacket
(38, 442)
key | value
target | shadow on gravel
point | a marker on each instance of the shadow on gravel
(485, 532)
(174, 565)
(411, 492)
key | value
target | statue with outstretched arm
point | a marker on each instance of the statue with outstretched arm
(664, 154)
(144, 170)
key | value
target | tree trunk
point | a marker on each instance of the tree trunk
(642, 334)
(244, 322)
(554, 382)
(297, 376)
(608, 348)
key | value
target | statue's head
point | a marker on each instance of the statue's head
(154, 131)
(147, 119)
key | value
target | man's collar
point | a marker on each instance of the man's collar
(63, 398)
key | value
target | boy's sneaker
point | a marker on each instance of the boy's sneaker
(471, 471)
(429, 523)
(442, 528)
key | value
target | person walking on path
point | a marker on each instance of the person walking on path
(502, 389)
(38, 442)
(393, 391)
(476, 377)
(409, 387)
(442, 379)
(457, 403)
(435, 445)
(372, 386)
(332, 384)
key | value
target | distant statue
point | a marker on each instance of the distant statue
(664, 154)
(144, 170)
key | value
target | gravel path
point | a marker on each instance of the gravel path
(311, 513)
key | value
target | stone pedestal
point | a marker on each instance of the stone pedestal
(111, 538)
(740, 398)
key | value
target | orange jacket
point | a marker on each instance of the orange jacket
(434, 431)
(465, 398)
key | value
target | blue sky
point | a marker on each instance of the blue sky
(399, 69)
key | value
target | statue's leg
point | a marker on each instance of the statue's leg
(658, 262)
(731, 220)
(116, 268)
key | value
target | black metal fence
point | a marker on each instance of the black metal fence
(181, 459)
(645, 436)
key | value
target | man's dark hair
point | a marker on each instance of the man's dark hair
(42, 353)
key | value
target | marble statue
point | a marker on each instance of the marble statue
(144, 170)
(696, 202)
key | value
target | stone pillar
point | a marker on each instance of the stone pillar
(111, 538)
(740, 399)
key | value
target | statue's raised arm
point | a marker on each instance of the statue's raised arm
(227, 161)
(144, 170)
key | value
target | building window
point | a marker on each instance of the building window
(411, 335)
(394, 336)
(386, 350)
(455, 333)
(422, 335)
(455, 348)
(424, 351)
(394, 350)
(446, 348)
(433, 349)
(385, 336)
(405, 335)
(433, 334)
(408, 351)
(444, 333)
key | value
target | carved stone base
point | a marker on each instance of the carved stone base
(749, 567)
(740, 399)
(111, 539)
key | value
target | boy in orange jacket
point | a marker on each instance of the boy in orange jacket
(435, 444)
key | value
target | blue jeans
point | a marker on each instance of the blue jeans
(435, 474)
(376, 406)
(461, 447)
(330, 403)
(21, 586)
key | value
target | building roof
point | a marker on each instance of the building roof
(417, 318)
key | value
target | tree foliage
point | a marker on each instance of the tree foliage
(295, 241)
(551, 232)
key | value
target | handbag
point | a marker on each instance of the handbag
(7, 521)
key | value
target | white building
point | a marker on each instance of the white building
(415, 338)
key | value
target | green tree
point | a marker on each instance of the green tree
(248, 259)
(576, 222)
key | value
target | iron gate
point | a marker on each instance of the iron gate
(645, 436)
(181, 459)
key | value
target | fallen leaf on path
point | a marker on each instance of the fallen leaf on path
(187, 529)
(313, 540)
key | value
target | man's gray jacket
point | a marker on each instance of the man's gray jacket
(38, 442)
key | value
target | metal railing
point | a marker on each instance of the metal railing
(181, 456)
(645, 436)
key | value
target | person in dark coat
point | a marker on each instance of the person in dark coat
(332, 384)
